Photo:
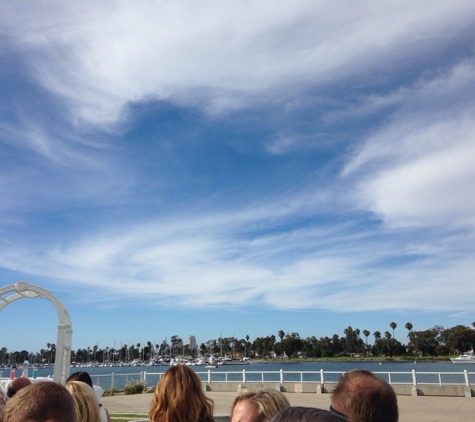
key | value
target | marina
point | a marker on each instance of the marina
(228, 377)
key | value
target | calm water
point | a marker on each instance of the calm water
(257, 372)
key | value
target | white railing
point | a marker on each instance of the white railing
(118, 381)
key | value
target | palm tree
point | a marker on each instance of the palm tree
(387, 334)
(366, 333)
(409, 326)
(377, 336)
(393, 325)
(53, 352)
(281, 335)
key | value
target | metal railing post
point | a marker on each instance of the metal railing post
(414, 384)
(209, 376)
(281, 376)
(112, 382)
(243, 376)
(467, 391)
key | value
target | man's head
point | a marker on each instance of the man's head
(40, 402)
(363, 397)
(16, 385)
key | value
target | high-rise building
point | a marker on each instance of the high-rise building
(192, 343)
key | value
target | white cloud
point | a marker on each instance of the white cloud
(418, 169)
(217, 261)
(217, 56)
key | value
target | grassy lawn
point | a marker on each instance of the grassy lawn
(126, 417)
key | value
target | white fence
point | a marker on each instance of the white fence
(119, 380)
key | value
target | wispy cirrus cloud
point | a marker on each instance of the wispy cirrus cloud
(418, 168)
(217, 57)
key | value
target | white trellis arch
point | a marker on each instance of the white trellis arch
(22, 290)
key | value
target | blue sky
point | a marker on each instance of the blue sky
(236, 168)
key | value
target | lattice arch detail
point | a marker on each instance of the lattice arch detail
(22, 290)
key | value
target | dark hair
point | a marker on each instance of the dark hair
(363, 397)
(81, 376)
(307, 414)
(16, 385)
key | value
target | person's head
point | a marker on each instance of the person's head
(179, 397)
(257, 406)
(81, 376)
(87, 407)
(363, 397)
(307, 414)
(44, 401)
(16, 385)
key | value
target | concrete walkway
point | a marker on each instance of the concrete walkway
(411, 409)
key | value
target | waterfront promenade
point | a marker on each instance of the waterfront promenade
(411, 409)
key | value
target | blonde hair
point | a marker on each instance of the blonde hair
(269, 402)
(87, 406)
(178, 397)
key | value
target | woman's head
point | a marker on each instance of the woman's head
(179, 397)
(81, 376)
(257, 406)
(87, 407)
(307, 414)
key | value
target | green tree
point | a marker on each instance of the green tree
(425, 342)
(458, 339)
(351, 339)
(292, 344)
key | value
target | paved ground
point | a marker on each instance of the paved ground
(411, 409)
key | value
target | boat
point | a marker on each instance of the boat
(468, 357)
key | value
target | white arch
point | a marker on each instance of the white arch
(22, 290)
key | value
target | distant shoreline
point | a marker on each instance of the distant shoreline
(404, 359)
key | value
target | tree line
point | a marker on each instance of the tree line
(435, 341)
